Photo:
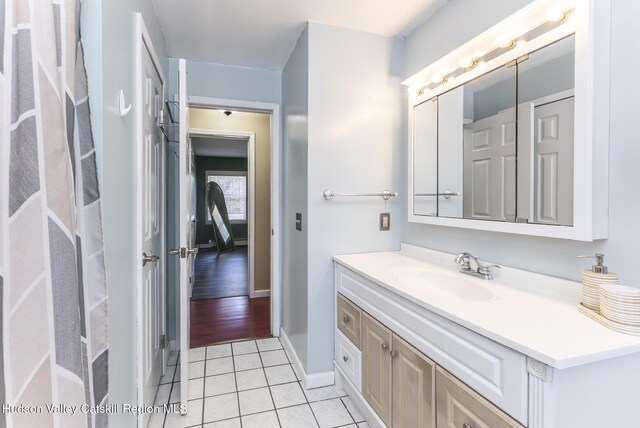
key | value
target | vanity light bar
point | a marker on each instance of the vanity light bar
(504, 44)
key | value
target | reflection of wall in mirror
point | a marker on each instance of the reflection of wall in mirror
(425, 158)
(450, 134)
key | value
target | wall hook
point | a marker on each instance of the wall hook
(123, 108)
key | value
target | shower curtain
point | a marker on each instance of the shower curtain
(53, 296)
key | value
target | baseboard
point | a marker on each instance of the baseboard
(343, 382)
(309, 381)
(261, 293)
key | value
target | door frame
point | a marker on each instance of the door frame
(143, 41)
(276, 186)
(250, 139)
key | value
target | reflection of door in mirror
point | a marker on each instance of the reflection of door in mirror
(489, 170)
(546, 134)
(425, 158)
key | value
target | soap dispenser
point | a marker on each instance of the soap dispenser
(592, 279)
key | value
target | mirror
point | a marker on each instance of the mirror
(546, 134)
(500, 147)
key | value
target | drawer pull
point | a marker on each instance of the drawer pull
(395, 354)
(385, 346)
(346, 320)
(466, 426)
(345, 358)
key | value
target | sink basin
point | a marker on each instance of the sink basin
(444, 284)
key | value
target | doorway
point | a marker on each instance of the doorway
(231, 293)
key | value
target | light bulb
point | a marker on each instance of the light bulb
(505, 42)
(556, 15)
(465, 63)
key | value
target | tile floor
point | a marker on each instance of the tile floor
(250, 384)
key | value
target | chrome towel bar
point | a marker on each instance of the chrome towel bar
(447, 194)
(386, 194)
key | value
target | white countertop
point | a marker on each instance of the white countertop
(531, 313)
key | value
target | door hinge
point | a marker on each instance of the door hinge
(183, 252)
(163, 341)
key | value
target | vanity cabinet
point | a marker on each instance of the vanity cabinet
(404, 387)
(456, 359)
(460, 406)
(399, 381)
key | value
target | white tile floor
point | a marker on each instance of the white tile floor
(250, 384)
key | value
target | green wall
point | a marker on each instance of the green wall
(204, 232)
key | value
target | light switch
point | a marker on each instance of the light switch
(385, 221)
(299, 221)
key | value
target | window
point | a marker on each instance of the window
(234, 187)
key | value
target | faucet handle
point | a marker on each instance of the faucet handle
(485, 270)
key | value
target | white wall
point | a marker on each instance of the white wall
(452, 25)
(295, 147)
(206, 79)
(355, 138)
(459, 21)
(109, 27)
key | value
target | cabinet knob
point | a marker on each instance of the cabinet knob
(345, 358)
(346, 320)
(394, 354)
(385, 346)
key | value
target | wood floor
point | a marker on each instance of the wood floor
(221, 275)
(228, 319)
(215, 316)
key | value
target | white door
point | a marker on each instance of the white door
(152, 305)
(490, 167)
(185, 224)
(553, 154)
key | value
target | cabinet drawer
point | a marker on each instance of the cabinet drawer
(349, 319)
(349, 359)
(460, 406)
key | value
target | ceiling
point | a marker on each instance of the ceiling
(262, 33)
(220, 147)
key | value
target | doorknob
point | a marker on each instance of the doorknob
(151, 259)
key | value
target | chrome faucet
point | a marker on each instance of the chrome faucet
(470, 265)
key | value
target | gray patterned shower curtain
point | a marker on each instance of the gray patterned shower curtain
(53, 296)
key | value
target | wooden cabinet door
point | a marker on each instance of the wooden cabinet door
(413, 387)
(376, 367)
(460, 406)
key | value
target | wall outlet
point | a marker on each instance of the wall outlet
(385, 221)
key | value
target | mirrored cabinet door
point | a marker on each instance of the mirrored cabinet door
(489, 145)
(546, 134)
(425, 158)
